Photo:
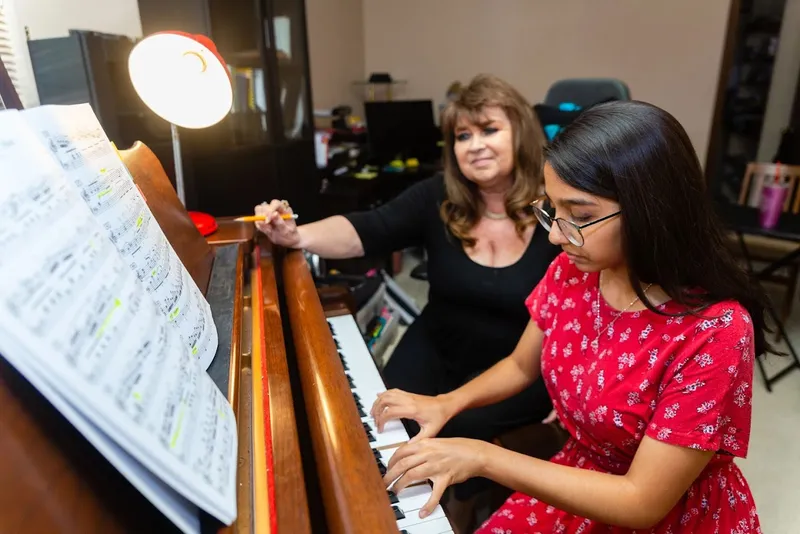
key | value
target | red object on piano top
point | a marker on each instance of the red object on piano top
(205, 223)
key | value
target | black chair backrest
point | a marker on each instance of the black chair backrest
(566, 99)
(585, 92)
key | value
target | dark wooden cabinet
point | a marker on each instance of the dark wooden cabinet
(263, 149)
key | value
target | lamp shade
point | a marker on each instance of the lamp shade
(182, 78)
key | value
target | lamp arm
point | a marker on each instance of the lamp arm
(176, 153)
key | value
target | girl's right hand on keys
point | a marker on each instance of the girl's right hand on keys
(430, 413)
(279, 231)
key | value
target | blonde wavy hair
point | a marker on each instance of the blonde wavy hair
(463, 206)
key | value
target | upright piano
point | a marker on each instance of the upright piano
(297, 373)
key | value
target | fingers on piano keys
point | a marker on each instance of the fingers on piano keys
(366, 383)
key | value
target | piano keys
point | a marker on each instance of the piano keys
(366, 383)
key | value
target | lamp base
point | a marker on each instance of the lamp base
(205, 223)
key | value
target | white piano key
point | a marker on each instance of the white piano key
(413, 518)
(393, 433)
(413, 498)
(436, 526)
(386, 455)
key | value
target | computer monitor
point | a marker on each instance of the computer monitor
(401, 128)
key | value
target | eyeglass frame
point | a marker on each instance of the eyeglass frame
(577, 227)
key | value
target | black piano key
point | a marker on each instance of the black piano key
(376, 453)
(393, 498)
(350, 381)
(403, 532)
(398, 513)
(380, 463)
(370, 437)
(361, 411)
(356, 397)
(344, 365)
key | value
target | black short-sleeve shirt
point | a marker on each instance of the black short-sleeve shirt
(475, 314)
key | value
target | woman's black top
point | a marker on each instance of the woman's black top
(475, 314)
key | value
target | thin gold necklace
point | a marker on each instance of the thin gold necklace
(596, 342)
(495, 216)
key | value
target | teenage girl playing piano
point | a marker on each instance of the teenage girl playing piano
(485, 253)
(645, 331)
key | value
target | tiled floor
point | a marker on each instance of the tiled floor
(773, 463)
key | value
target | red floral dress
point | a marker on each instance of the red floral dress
(681, 380)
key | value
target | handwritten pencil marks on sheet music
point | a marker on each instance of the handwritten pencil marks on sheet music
(79, 144)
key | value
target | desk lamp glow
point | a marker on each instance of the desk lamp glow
(184, 80)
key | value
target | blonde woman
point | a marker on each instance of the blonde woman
(485, 252)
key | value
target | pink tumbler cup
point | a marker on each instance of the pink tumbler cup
(772, 198)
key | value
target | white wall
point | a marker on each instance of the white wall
(54, 18)
(784, 82)
(336, 51)
(668, 52)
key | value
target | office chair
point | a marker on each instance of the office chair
(566, 99)
(585, 92)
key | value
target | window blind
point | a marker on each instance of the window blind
(15, 55)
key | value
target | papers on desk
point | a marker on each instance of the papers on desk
(99, 314)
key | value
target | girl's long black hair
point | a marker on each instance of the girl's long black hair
(640, 156)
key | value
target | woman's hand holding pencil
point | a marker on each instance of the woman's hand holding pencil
(277, 221)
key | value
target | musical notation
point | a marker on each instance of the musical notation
(107, 190)
(154, 268)
(76, 319)
(138, 386)
(66, 269)
(110, 193)
(38, 205)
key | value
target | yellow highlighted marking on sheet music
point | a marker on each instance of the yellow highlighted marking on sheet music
(174, 313)
(117, 304)
(194, 350)
(154, 272)
(177, 432)
(139, 222)
(137, 395)
(101, 194)
(103, 170)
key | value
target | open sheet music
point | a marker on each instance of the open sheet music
(77, 141)
(79, 321)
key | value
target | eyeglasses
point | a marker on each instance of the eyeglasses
(570, 230)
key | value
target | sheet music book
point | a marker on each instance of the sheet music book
(93, 334)
(77, 141)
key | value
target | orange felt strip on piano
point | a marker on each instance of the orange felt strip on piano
(263, 473)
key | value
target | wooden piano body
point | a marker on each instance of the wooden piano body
(305, 464)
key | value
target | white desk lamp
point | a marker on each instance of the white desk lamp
(184, 80)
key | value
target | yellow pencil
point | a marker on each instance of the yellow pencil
(254, 218)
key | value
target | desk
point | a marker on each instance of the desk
(744, 220)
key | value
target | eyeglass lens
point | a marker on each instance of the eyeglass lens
(545, 215)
